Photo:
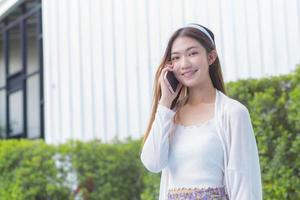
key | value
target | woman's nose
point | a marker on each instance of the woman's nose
(185, 63)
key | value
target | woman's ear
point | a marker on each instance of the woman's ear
(212, 57)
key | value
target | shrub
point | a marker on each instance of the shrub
(28, 171)
(94, 170)
(273, 104)
(106, 171)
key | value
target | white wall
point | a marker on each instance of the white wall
(100, 56)
(7, 5)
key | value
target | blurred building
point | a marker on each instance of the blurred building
(84, 69)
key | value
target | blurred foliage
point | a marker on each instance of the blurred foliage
(28, 171)
(105, 171)
(31, 170)
(274, 104)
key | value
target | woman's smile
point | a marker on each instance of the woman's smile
(189, 74)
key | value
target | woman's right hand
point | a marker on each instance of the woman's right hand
(166, 96)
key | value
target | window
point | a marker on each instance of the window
(21, 65)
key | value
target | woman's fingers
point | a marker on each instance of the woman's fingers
(163, 72)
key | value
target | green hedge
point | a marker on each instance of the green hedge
(94, 170)
(28, 171)
(274, 105)
(106, 171)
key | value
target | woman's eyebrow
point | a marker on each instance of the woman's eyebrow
(189, 48)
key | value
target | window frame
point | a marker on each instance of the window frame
(18, 81)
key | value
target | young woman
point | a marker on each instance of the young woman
(201, 139)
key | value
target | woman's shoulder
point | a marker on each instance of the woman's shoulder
(233, 106)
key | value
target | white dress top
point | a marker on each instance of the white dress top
(196, 157)
(242, 175)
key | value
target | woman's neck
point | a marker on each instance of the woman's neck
(205, 94)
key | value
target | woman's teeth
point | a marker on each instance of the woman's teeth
(189, 74)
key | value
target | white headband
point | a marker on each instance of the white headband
(201, 29)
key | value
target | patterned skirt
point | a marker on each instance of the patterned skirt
(198, 194)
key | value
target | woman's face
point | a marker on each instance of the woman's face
(190, 61)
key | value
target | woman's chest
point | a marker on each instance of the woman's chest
(199, 137)
(195, 115)
(199, 144)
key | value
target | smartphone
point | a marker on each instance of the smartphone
(171, 81)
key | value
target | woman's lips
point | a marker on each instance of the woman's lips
(189, 74)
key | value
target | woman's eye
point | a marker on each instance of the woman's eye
(174, 58)
(193, 53)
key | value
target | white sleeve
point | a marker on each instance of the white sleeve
(244, 174)
(155, 151)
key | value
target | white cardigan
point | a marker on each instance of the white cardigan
(242, 174)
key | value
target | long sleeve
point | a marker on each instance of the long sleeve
(244, 176)
(155, 151)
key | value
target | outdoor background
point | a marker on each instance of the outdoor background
(76, 82)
